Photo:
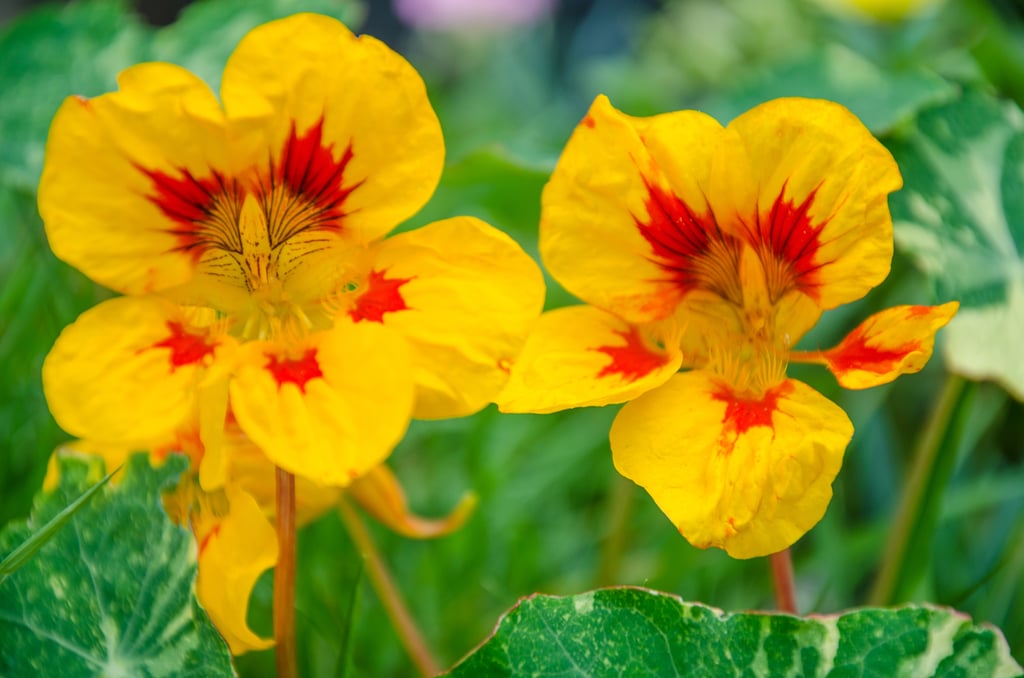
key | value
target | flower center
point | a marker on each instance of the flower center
(254, 232)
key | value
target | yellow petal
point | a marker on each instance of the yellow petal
(310, 70)
(580, 356)
(605, 194)
(329, 408)
(750, 477)
(464, 295)
(115, 169)
(821, 185)
(381, 495)
(892, 342)
(251, 471)
(129, 370)
(234, 550)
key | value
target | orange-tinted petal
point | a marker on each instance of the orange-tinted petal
(817, 206)
(309, 72)
(381, 495)
(236, 545)
(130, 370)
(464, 295)
(750, 477)
(329, 408)
(610, 216)
(116, 169)
(892, 342)
(579, 356)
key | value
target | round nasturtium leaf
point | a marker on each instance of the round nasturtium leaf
(112, 592)
(960, 216)
(638, 632)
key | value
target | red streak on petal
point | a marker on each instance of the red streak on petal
(209, 536)
(309, 169)
(186, 348)
(192, 203)
(297, 372)
(919, 311)
(743, 414)
(678, 236)
(589, 122)
(788, 233)
(632, 361)
(855, 354)
(382, 295)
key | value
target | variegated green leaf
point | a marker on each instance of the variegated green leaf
(639, 632)
(112, 592)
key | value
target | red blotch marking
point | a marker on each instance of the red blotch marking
(632, 361)
(309, 169)
(788, 233)
(589, 121)
(854, 354)
(677, 235)
(297, 372)
(191, 203)
(918, 311)
(743, 414)
(209, 536)
(186, 348)
(382, 295)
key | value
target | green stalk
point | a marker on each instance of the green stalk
(380, 577)
(935, 457)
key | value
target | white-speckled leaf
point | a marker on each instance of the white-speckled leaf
(960, 215)
(639, 632)
(112, 593)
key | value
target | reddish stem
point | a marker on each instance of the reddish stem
(284, 577)
(408, 633)
(785, 588)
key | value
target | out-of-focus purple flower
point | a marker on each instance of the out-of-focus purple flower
(458, 15)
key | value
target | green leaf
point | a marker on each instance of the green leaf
(634, 631)
(21, 555)
(492, 184)
(47, 55)
(113, 592)
(961, 217)
(882, 99)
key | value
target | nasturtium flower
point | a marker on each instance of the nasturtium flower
(704, 253)
(266, 321)
(248, 235)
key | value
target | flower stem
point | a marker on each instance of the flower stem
(785, 587)
(619, 512)
(914, 525)
(284, 577)
(406, 628)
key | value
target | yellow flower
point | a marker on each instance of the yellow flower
(267, 321)
(248, 233)
(886, 11)
(704, 254)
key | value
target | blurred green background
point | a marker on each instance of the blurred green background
(553, 514)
